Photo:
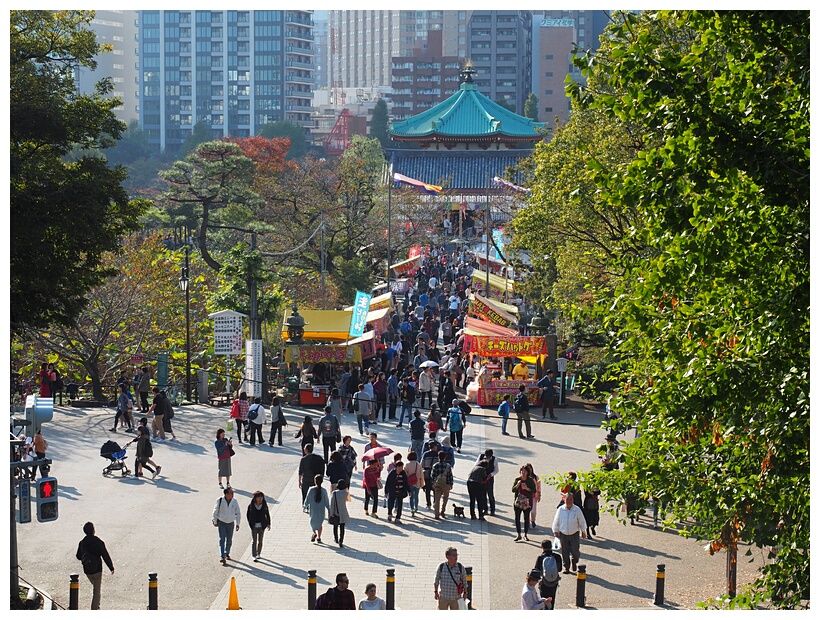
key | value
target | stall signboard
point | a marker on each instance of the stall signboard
(479, 306)
(329, 354)
(382, 301)
(502, 346)
(493, 395)
(358, 319)
(406, 266)
(400, 286)
(253, 367)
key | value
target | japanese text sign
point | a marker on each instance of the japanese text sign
(358, 320)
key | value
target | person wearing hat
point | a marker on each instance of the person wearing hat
(548, 387)
(530, 599)
(609, 458)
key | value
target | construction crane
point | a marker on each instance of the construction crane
(339, 137)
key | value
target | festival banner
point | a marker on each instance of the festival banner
(483, 308)
(358, 319)
(514, 346)
(329, 354)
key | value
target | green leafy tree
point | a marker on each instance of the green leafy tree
(207, 188)
(291, 131)
(531, 107)
(712, 326)
(380, 123)
(66, 213)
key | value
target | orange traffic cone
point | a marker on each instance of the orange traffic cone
(233, 598)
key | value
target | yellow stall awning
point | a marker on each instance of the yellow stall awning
(322, 325)
(496, 282)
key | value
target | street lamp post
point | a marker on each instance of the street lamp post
(183, 284)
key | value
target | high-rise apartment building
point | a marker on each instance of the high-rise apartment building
(362, 44)
(424, 79)
(234, 71)
(500, 47)
(555, 34)
(119, 30)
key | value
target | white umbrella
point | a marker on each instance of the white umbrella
(428, 364)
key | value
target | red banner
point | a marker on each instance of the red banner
(497, 346)
(323, 353)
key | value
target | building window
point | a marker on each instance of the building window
(184, 33)
(547, 109)
(548, 57)
(243, 31)
(548, 91)
(216, 90)
(548, 74)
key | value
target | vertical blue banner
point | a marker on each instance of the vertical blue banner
(358, 319)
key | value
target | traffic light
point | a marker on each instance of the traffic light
(47, 499)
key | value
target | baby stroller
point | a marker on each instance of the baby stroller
(111, 450)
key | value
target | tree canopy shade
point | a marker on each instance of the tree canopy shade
(291, 131)
(64, 214)
(531, 107)
(712, 324)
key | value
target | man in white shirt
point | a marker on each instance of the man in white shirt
(226, 512)
(568, 525)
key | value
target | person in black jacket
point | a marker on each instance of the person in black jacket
(548, 587)
(258, 520)
(92, 552)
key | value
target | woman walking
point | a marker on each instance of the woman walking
(307, 432)
(224, 448)
(591, 511)
(336, 471)
(258, 520)
(241, 416)
(371, 481)
(372, 601)
(277, 421)
(523, 490)
(338, 512)
(349, 456)
(415, 480)
(396, 489)
(317, 504)
(536, 497)
(334, 401)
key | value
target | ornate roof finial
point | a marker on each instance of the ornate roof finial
(467, 72)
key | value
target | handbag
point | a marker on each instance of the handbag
(230, 427)
(522, 502)
(333, 519)
(231, 450)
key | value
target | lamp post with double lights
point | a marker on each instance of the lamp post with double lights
(183, 284)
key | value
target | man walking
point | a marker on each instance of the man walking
(451, 581)
(549, 565)
(92, 552)
(226, 513)
(393, 393)
(521, 406)
(361, 405)
(158, 407)
(310, 466)
(417, 427)
(568, 525)
(329, 429)
(547, 385)
(408, 397)
(144, 387)
(442, 475)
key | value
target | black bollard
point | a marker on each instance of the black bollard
(311, 589)
(152, 591)
(659, 579)
(391, 588)
(469, 570)
(580, 586)
(74, 591)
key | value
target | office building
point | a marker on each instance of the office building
(555, 34)
(234, 71)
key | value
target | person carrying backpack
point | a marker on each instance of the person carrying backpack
(340, 597)
(256, 418)
(329, 431)
(521, 406)
(549, 565)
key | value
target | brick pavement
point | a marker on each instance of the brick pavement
(414, 549)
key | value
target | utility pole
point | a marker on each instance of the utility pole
(389, 222)
(324, 292)
(187, 324)
(487, 239)
(254, 313)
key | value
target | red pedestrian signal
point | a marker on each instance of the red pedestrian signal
(47, 509)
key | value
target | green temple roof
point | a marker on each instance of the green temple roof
(467, 115)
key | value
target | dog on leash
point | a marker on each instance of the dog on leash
(458, 511)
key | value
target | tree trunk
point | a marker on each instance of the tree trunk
(96, 385)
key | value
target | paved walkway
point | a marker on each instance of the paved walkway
(414, 548)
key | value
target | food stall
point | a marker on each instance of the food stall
(313, 354)
(490, 385)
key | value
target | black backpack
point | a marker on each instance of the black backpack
(325, 601)
(520, 403)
